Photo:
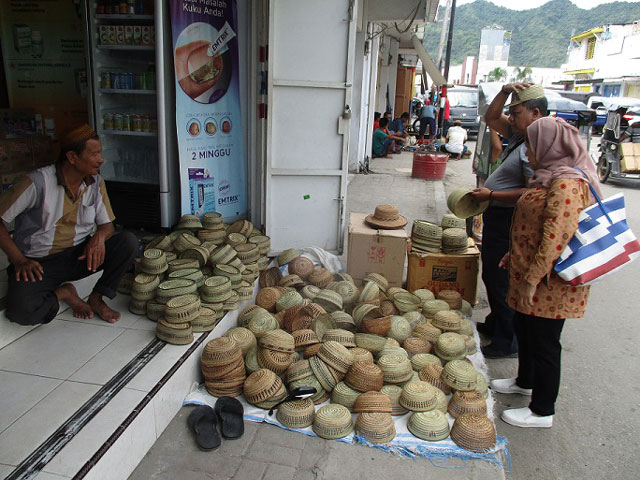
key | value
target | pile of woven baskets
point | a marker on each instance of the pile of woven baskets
(375, 352)
(449, 237)
(186, 281)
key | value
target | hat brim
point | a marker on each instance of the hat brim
(386, 225)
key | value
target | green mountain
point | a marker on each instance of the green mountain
(540, 35)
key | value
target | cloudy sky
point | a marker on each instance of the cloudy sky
(526, 4)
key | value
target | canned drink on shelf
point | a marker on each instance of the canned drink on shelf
(116, 80)
(146, 35)
(146, 123)
(154, 124)
(104, 34)
(137, 123)
(117, 121)
(128, 34)
(127, 121)
(128, 81)
(137, 34)
(150, 78)
(106, 80)
(112, 35)
(140, 84)
(119, 34)
(108, 121)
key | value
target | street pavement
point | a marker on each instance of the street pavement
(597, 421)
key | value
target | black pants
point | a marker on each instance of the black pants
(496, 230)
(32, 303)
(539, 360)
(428, 122)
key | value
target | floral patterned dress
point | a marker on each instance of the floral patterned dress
(543, 224)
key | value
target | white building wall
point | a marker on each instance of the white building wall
(359, 108)
(388, 66)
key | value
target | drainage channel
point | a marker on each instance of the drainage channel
(40, 457)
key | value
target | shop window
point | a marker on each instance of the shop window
(591, 46)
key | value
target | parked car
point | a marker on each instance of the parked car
(602, 106)
(572, 111)
(463, 106)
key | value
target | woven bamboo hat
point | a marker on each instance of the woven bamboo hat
(386, 217)
(447, 321)
(174, 288)
(365, 310)
(372, 402)
(194, 274)
(267, 298)
(144, 286)
(376, 427)
(372, 343)
(182, 309)
(421, 360)
(343, 337)
(453, 298)
(424, 294)
(466, 327)
(270, 277)
(432, 425)
(154, 261)
(369, 292)
(259, 326)
(414, 318)
(394, 392)
(418, 396)
(463, 205)
(292, 280)
(378, 279)
(467, 402)
(320, 277)
(220, 351)
(261, 385)
(460, 375)
(344, 395)
(303, 338)
(251, 360)
(155, 310)
(406, 302)
(278, 340)
(288, 300)
(332, 421)
(287, 256)
(163, 242)
(189, 222)
(415, 345)
(474, 432)
(298, 370)
(250, 312)
(376, 326)
(400, 328)
(388, 307)
(329, 300)
(182, 263)
(311, 381)
(323, 373)
(347, 290)
(450, 346)
(470, 342)
(431, 307)
(533, 92)
(344, 321)
(301, 266)
(175, 336)
(396, 368)
(336, 356)
(321, 323)
(449, 220)
(431, 373)
(427, 332)
(364, 377)
(296, 414)
(205, 322)
(361, 355)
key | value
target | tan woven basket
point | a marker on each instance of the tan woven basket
(421, 360)
(361, 355)
(296, 414)
(431, 373)
(460, 375)
(376, 326)
(427, 332)
(301, 266)
(332, 421)
(182, 309)
(394, 392)
(243, 337)
(343, 337)
(303, 338)
(344, 395)
(320, 277)
(372, 402)
(415, 345)
(467, 402)
(450, 346)
(344, 321)
(364, 377)
(431, 426)
(261, 385)
(447, 321)
(335, 355)
(376, 427)
(278, 340)
(418, 396)
(270, 277)
(396, 368)
(298, 370)
(474, 432)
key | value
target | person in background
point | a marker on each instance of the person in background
(444, 111)
(387, 115)
(544, 222)
(63, 232)
(383, 141)
(456, 139)
(376, 120)
(427, 119)
(502, 189)
(631, 134)
(399, 125)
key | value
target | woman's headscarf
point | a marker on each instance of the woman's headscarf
(558, 148)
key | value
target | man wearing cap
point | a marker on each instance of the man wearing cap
(503, 188)
(63, 232)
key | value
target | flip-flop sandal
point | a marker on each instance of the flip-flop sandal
(231, 413)
(202, 421)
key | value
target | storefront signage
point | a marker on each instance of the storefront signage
(208, 116)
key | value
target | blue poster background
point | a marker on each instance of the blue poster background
(208, 115)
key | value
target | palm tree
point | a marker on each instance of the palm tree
(497, 74)
(523, 73)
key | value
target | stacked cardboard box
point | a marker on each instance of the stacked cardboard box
(630, 158)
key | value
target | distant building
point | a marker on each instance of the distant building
(495, 43)
(605, 61)
(469, 72)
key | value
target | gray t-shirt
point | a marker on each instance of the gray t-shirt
(511, 174)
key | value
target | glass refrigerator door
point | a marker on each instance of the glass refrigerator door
(124, 89)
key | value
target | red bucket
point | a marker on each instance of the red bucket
(428, 165)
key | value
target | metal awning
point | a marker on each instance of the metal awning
(588, 33)
(428, 64)
(579, 72)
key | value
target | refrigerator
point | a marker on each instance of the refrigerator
(132, 107)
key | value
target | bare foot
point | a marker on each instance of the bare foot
(102, 309)
(68, 293)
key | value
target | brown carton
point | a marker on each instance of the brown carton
(440, 271)
(375, 251)
(630, 162)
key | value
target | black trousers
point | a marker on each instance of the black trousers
(539, 360)
(496, 230)
(32, 303)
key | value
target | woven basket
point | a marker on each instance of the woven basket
(185, 241)
(396, 368)
(449, 220)
(364, 311)
(370, 291)
(431, 426)
(406, 302)
(460, 375)
(321, 324)
(199, 253)
(194, 274)
(277, 362)
(394, 392)
(311, 381)
(376, 326)
(249, 312)
(427, 332)
(322, 373)
(155, 310)
(205, 322)
(245, 227)
(243, 337)
(431, 307)
(450, 346)
(211, 219)
(467, 402)
(372, 343)
(415, 345)
(431, 373)
(376, 427)
(453, 298)
(298, 370)
(220, 352)
(474, 432)
(311, 350)
(251, 361)
(278, 341)
(418, 396)
(303, 338)
(270, 277)
(259, 326)
(181, 264)
(229, 271)
(364, 377)
(421, 360)
(344, 321)
(424, 294)
(414, 318)
(332, 421)
(320, 277)
(378, 279)
(347, 290)
(301, 266)
(292, 280)
(447, 321)
(190, 222)
(261, 385)
(235, 239)
(287, 256)
(154, 261)
(144, 286)
(388, 308)
(343, 337)
(288, 300)
(181, 309)
(163, 242)
(175, 337)
(361, 355)
(174, 288)
(296, 414)
(222, 255)
(344, 395)
(329, 300)
(463, 205)
(467, 327)
(336, 356)
(392, 350)
(372, 402)
(267, 298)
(400, 328)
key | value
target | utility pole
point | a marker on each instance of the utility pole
(447, 61)
(445, 23)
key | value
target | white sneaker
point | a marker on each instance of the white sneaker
(508, 385)
(524, 417)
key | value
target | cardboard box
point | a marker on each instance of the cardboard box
(440, 271)
(377, 251)
(630, 162)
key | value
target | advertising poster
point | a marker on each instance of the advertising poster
(44, 60)
(208, 118)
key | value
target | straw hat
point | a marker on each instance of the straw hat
(250, 312)
(432, 425)
(321, 323)
(309, 291)
(378, 279)
(372, 402)
(322, 373)
(376, 427)
(427, 332)
(372, 343)
(144, 286)
(259, 326)
(301, 266)
(414, 318)
(261, 385)
(163, 242)
(298, 370)
(406, 302)
(182, 263)
(174, 288)
(251, 361)
(431, 307)
(376, 326)
(466, 327)
(311, 381)
(277, 362)
(386, 217)
(431, 373)
(447, 320)
(347, 290)
(421, 360)
(329, 300)
(343, 337)
(450, 346)
(303, 338)
(533, 92)
(320, 277)
(267, 298)
(194, 274)
(183, 308)
(220, 351)
(205, 322)
(176, 336)
(453, 298)
(400, 328)
(278, 341)
(287, 256)
(462, 204)
(270, 277)
(365, 310)
(335, 355)
(474, 432)
(154, 261)
(394, 392)
(344, 395)
(470, 342)
(467, 402)
(155, 310)
(396, 368)
(449, 220)
(418, 396)
(364, 377)
(296, 414)
(343, 321)
(415, 345)
(424, 294)
(332, 421)
(388, 308)
(459, 375)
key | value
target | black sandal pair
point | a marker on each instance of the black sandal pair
(203, 421)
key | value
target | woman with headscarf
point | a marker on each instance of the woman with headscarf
(545, 220)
